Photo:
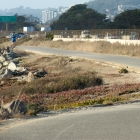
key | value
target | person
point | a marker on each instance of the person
(13, 38)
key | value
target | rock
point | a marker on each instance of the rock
(5, 63)
(12, 66)
(30, 77)
(40, 73)
(1, 65)
(2, 71)
(8, 73)
(13, 55)
(21, 69)
(4, 114)
(2, 83)
(16, 106)
(15, 61)
(2, 59)
(8, 49)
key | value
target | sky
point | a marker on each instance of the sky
(39, 4)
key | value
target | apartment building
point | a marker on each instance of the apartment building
(48, 15)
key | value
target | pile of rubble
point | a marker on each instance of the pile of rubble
(10, 69)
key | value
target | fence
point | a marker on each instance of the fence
(129, 34)
(132, 34)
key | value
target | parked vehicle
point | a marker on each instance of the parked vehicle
(85, 34)
(18, 35)
(110, 36)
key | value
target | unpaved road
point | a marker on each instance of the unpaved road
(100, 123)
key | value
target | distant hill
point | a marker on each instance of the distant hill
(111, 5)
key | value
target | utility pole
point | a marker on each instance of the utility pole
(6, 27)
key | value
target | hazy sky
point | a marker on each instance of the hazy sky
(39, 4)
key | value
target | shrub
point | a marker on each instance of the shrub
(75, 82)
(123, 70)
(49, 36)
(33, 109)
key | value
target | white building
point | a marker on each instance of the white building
(28, 29)
(47, 28)
(48, 15)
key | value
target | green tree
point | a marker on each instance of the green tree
(128, 19)
(79, 17)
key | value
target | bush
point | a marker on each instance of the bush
(49, 36)
(75, 82)
(33, 109)
(123, 70)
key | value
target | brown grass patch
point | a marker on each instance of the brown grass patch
(92, 47)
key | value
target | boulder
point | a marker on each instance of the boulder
(8, 73)
(12, 66)
(16, 106)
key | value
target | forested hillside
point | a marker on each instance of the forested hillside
(79, 17)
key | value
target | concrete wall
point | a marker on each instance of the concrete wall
(121, 41)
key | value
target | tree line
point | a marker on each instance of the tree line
(80, 17)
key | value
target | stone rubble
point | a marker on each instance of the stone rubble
(10, 69)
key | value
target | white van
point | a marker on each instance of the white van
(85, 34)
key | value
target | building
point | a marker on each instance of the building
(28, 29)
(48, 15)
(46, 28)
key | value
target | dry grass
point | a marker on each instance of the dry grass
(92, 47)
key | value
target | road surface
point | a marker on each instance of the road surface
(126, 61)
(120, 122)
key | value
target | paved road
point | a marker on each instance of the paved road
(131, 62)
(102, 123)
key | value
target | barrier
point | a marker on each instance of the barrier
(121, 41)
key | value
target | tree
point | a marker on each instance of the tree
(128, 19)
(79, 17)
